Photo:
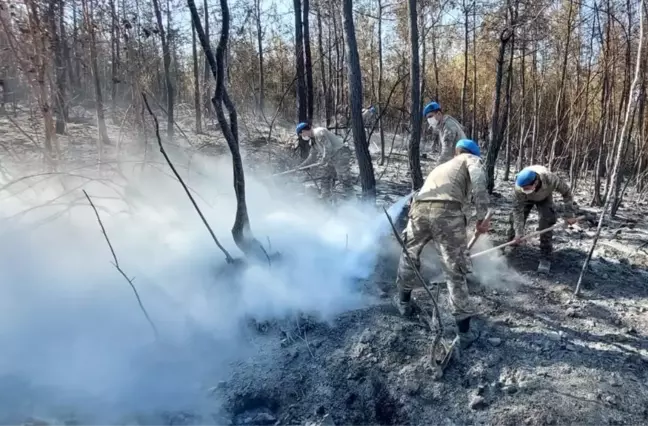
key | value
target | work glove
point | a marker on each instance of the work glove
(482, 226)
(517, 241)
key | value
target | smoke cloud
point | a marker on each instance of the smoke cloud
(75, 343)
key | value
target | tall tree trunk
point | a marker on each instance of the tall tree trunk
(207, 100)
(495, 137)
(521, 143)
(415, 88)
(56, 35)
(257, 9)
(302, 101)
(473, 130)
(166, 56)
(509, 87)
(631, 104)
(367, 178)
(381, 107)
(310, 95)
(241, 231)
(322, 65)
(561, 90)
(113, 59)
(197, 99)
(329, 87)
(464, 85)
(101, 120)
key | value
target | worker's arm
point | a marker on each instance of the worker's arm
(479, 189)
(519, 200)
(564, 189)
(312, 156)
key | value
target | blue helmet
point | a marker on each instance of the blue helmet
(526, 177)
(470, 146)
(431, 107)
(300, 127)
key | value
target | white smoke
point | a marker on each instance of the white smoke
(74, 341)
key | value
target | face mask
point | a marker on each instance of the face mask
(432, 121)
(306, 138)
(528, 191)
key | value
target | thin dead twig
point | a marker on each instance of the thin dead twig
(228, 257)
(116, 265)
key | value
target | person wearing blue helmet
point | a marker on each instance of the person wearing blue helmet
(369, 115)
(534, 186)
(436, 215)
(449, 129)
(333, 155)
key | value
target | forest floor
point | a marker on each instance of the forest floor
(544, 357)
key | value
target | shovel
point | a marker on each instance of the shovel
(297, 170)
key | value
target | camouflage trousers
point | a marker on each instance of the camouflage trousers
(446, 228)
(338, 168)
(547, 218)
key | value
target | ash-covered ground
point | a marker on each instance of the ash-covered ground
(311, 338)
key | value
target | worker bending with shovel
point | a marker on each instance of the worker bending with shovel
(334, 158)
(534, 186)
(437, 215)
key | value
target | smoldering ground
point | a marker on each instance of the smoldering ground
(75, 343)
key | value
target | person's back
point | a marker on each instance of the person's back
(325, 141)
(451, 181)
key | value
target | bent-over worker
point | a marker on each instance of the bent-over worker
(450, 131)
(334, 157)
(437, 215)
(534, 186)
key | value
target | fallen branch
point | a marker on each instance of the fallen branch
(228, 257)
(526, 237)
(437, 315)
(116, 265)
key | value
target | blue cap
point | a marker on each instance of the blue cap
(470, 146)
(372, 108)
(431, 107)
(300, 127)
(525, 177)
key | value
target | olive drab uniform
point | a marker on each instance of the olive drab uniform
(450, 132)
(542, 198)
(436, 215)
(335, 157)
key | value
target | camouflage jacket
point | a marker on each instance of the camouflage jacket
(324, 144)
(549, 183)
(450, 132)
(457, 180)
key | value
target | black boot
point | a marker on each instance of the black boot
(403, 302)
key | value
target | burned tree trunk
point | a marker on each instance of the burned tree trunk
(495, 136)
(197, 100)
(308, 61)
(241, 231)
(302, 101)
(257, 9)
(415, 90)
(380, 84)
(166, 55)
(367, 178)
(320, 48)
(101, 119)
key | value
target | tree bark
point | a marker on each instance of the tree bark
(302, 101)
(310, 96)
(367, 178)
(196, 73)
(166, 55)
(241, 231)
(464, 85)
(113, 59)
(322, 64)
(257, 8)
(415, 88)
(380, 85)
(495, 137)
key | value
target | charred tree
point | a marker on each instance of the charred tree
(241, 231)
(196, 73)
(308, 61)
(415, 91)
(257, 10)
(495, 136)
(380, 84)
(367, 178)
(324, 87)
(302, 101)
(166, 56)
